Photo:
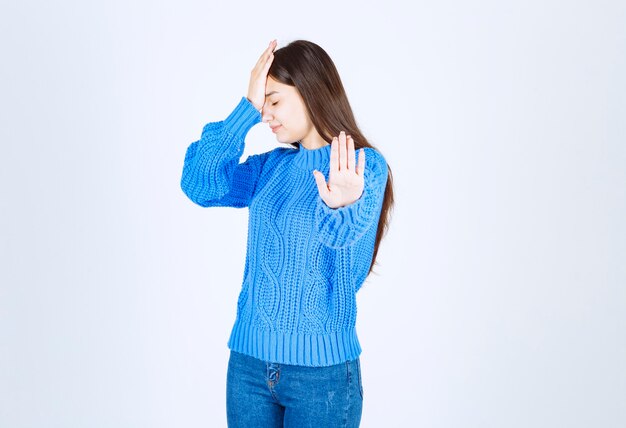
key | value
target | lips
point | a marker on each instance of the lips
(275, 128)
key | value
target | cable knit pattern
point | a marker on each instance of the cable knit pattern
(305, 261)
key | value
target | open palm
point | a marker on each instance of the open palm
(346, 179)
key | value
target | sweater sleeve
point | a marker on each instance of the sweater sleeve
(212, 175)
(340, 227)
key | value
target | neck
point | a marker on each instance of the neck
(313, 141)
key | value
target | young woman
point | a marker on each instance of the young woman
(294, 351)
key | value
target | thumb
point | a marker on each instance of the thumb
(321, 182)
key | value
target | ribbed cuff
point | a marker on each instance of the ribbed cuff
(300, 349)
(342, 226)
(242, 118)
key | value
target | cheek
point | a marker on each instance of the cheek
(297, 118)
(293, 118)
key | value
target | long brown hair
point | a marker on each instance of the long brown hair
(308, 67)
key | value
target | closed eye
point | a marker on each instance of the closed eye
(275, 103)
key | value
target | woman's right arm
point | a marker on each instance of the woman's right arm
(212, 175)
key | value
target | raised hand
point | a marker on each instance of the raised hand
(258, 77)
(346, 179)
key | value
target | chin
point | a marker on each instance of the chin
(285, 140)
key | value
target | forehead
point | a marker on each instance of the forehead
(272, 86)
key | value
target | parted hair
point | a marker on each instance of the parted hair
(307, 67)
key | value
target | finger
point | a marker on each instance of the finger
(269, 52)
(261, 59)
(269, 58)
(361, 167)
(334, 156)
(270, 49)
(322, 187)
(266, 66)
(269, 61)
(266, 53)
(351, 158)
(342, 151)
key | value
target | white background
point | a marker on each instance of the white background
(500, 298)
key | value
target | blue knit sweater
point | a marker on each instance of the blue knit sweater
(305, 261)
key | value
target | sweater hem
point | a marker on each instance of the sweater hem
(302, 349)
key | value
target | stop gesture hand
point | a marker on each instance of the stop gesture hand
(346, 179)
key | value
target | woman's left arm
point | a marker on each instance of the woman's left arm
(350, 203)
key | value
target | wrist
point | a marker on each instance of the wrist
(259, 108)
(242, 118)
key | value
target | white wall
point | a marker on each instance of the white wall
(501, 294)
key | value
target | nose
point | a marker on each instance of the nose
(266, 114)
(266, 117)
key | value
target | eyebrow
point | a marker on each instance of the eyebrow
(271, 93)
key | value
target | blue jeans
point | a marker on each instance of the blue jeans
(265, 394)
